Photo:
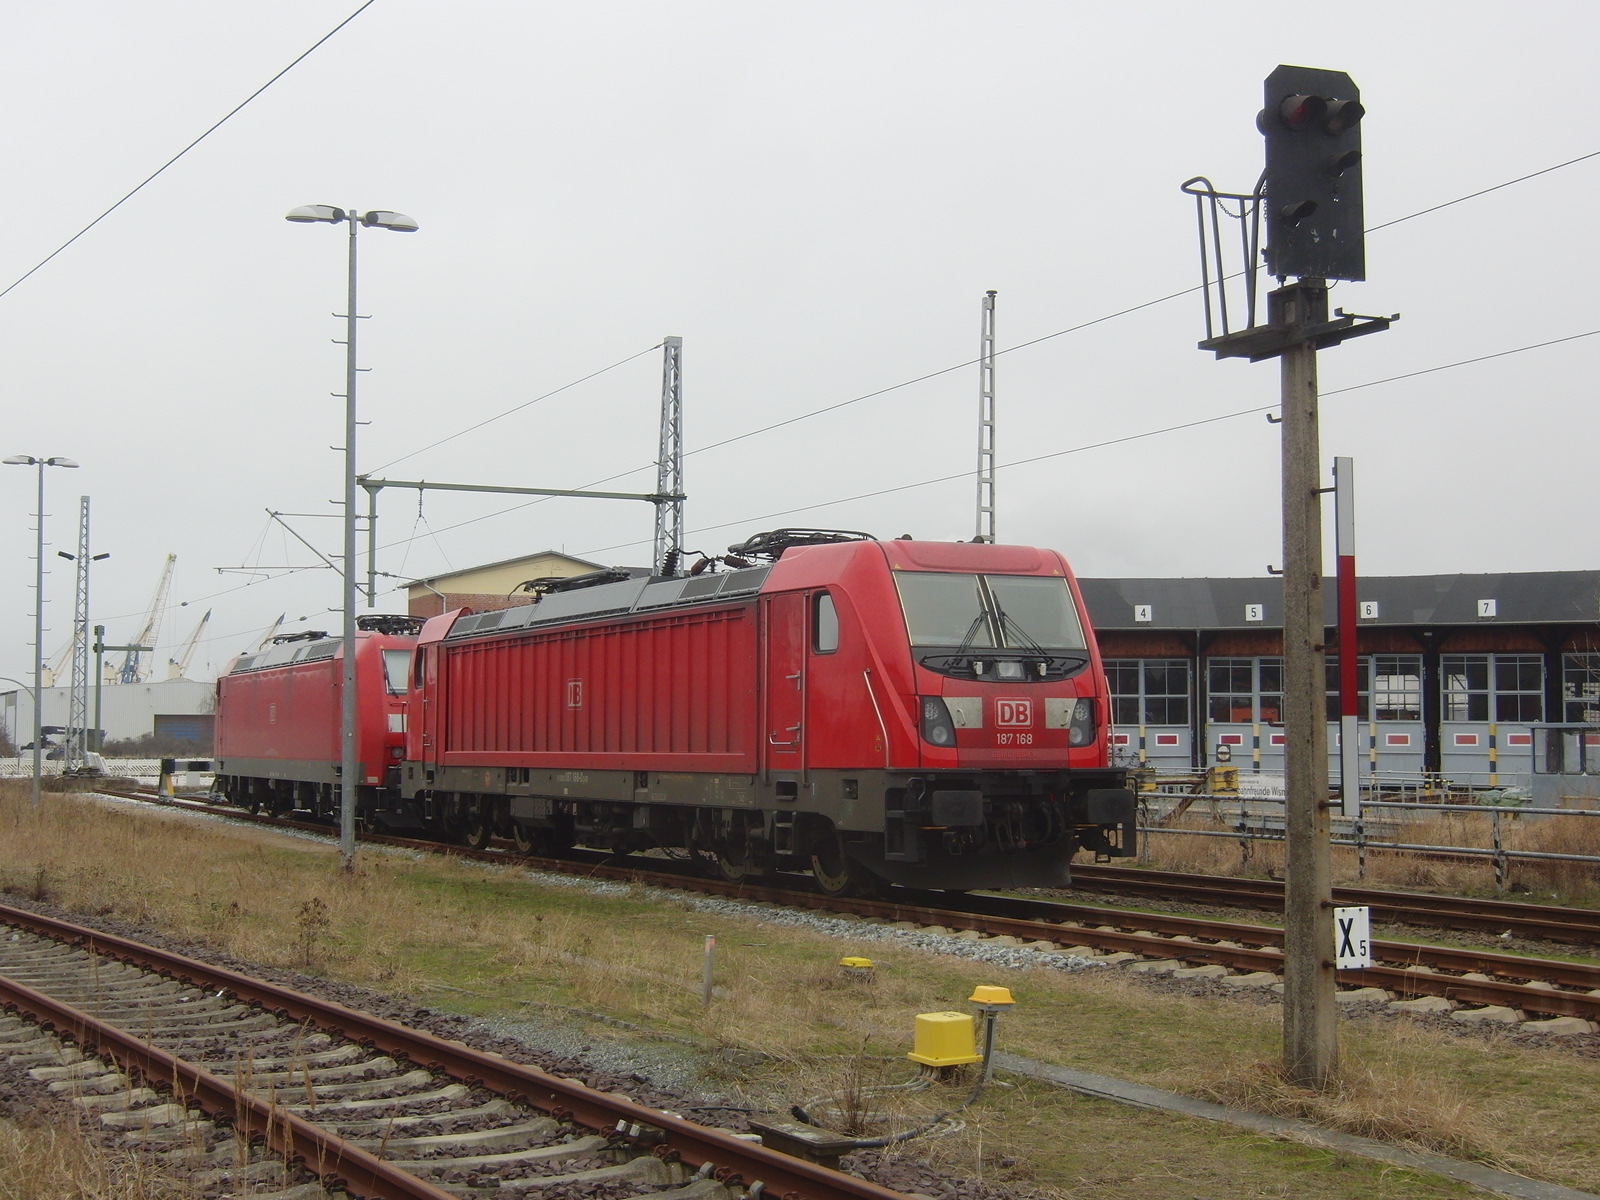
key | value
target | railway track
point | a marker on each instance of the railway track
(1538, 987)
(1576, 926)
(175, 1053)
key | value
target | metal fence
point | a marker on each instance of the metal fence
(1260, 818)
(21, 767)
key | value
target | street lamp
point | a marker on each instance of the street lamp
(27, 460)
(350, 767)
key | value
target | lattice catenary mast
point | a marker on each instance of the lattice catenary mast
(986, 424)
(78, 692)
(669, 462)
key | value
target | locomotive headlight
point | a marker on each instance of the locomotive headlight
(1080, 731)
(937, 727)
(1008, 670)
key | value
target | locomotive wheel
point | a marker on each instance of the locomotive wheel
(836, 873)
(735, 864)
(475, 831)
(547, 843)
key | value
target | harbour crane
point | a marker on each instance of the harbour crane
(177, 668)
(132, 670)
(272, 632)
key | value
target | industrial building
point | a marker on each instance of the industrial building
(180, 709)
(491, 586)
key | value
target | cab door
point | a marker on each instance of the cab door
(784, 683)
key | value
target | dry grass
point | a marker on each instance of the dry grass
(1568, 883)
(488, 941)
(1396, 1106)
(56, 1162)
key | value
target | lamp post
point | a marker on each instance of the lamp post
(350, 767)
(28, 460)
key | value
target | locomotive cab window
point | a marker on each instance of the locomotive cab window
(983, 624)
(396, 669)
(824, 624)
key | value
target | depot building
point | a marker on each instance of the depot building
(1466, 676)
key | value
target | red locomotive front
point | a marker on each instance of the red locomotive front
(930, 714)
(278, 719)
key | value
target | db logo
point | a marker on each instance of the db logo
(1013, 713)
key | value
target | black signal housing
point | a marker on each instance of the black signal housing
(1311, 120)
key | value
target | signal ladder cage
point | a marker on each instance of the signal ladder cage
(1217, 274)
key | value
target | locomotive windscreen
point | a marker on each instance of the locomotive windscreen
(1025, 612)
(397, 671)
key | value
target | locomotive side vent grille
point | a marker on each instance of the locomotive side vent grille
(748, 580)
(667, 591)
(705, 585)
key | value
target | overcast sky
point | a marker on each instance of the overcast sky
(815, 198)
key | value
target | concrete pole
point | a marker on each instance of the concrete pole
(1310, 1044)
(38, 640)
(97, 738)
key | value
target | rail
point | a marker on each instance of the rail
(724, 1156)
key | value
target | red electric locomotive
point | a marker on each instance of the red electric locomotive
(278, 719)
(930, 714)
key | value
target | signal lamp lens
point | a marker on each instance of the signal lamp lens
(1341, 115)
(1298, 112)
(1293, 214)
(1340, 163)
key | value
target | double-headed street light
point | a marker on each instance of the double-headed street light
(28, 460)
(350, 767)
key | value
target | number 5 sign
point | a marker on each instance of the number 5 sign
(1352, 938)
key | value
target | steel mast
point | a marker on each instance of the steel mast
(669, 461)
(78, 693)
(986, 424)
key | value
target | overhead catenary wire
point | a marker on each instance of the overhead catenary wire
(965, 474)
(213, 128)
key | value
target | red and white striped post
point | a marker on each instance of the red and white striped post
(1344, 507)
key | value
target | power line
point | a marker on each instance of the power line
(1117, 441)
(1356, 387)
(1112, 316)
(189, 147)
(1485, 191)
(518, 408)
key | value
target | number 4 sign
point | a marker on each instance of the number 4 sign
(1352, 938)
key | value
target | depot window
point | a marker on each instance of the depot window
(1396, 685)
(1492, 687)
(1149, 691)
(1242, 691)
(1580, 688)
